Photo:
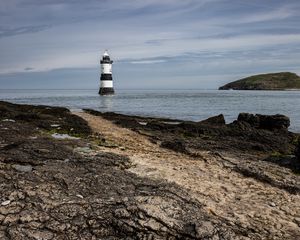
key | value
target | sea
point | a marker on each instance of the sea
(192, 105)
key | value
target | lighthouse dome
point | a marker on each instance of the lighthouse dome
(105, 54)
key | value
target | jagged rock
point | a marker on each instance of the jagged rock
(270, 122)
(252, 119)
(277, 121)
(216, 120)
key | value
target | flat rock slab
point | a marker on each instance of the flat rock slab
(22, 168)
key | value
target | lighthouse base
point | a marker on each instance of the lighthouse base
(106, 91)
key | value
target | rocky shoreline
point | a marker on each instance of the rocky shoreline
(99, 175)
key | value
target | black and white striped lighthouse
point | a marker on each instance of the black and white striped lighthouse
(106, 81)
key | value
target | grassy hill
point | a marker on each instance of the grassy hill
(270, 81)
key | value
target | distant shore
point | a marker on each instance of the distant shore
(271, 81)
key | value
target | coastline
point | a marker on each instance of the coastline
(284, 89)
(108, 175)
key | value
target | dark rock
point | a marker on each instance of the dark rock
(156, 125)
(274, 121)
(176, 145)
(252, 119)
(269, 122)
(129, 123)
(191, 129)
(298, 151)
(215, 120)
(45, 116)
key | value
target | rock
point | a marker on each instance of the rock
(204, 229)
(79, 196)
(8, 120)
(270, 122)
(252, 119)
(5, 203)
(297, 153)
(216, 120)
(83, 150)
(297, 220)
(22, 168)
(272, 204)
(43, 150)
(122, 213)
(63, 136)
(176, 145)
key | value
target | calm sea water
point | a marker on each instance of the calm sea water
(180, 104)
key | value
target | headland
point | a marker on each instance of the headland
(269, 81)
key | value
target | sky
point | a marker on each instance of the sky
(155, 44)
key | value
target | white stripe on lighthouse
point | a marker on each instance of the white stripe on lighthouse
(106, 68)
(106, 84)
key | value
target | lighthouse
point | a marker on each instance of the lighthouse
(106, 81)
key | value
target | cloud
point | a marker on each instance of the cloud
(28, 69)
(6, 32)
(197, 37)
(148, 61)
(277, 14)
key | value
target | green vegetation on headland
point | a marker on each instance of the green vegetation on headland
(270, 81)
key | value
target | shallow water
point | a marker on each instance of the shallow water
(179, 104)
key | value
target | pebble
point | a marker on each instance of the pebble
(272, 204)
(79, 196)
(5, 203)
(278, 226)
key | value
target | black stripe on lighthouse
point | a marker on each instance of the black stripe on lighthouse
(105, 76)
(106, 80)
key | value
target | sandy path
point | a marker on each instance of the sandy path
(225, 193)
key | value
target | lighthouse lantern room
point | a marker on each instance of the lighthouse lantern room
(106, 81)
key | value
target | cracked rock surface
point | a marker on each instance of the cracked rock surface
(114, 183)
(65, 189)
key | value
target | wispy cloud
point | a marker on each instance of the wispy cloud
(147, 61)
(7, 31)
(272, 15)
